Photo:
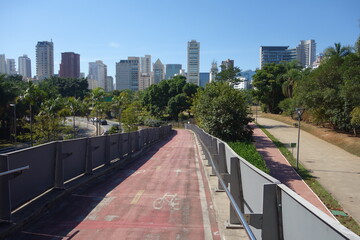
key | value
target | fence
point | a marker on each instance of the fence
(26, 174)
(266, 208)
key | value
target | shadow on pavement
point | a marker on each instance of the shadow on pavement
(59, 221)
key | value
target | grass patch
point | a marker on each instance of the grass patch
(311, 181)
(248, 151)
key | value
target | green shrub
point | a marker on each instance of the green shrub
(287, 106)
(248, 151)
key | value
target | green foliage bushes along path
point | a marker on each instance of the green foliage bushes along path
(222, 111)
(329, 93)
(248, 151)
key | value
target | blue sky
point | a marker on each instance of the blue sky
(111, 30)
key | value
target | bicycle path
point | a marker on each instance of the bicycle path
(337, 170)
(159, 196)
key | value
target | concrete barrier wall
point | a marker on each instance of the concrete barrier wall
(39, 178)
(274, 210)
(52, 164)
(74, 157)
(98, 151)
(115, 146)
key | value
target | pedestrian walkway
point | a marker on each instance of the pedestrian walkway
(281, 169)
(162, 195)
(336, 170)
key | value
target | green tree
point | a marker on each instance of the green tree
(320, 94)
(177, 104)
(357, 46)
(230, 74)
(268, 83)
(48, 124)
(355, 119)
(66, 87)
(290, 79)
(121, 102)
(338, 50)
(74, 107)
(131, 116)
(223, 112)
(159, 99)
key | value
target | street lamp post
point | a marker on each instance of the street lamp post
(14, 105)
(299, 112)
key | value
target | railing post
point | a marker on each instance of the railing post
(136, 141)
(107, 150)
(222, 169)
(214, 155)
(141, 139)
(5, 198)
(120, 146)
(59, 166)
(89, 165)
(272, 227)
(236, 189)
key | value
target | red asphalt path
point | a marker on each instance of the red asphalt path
(162, 195)
(281, 169)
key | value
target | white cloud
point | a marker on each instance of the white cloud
(113, 44)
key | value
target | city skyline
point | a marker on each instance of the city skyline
(109, 37)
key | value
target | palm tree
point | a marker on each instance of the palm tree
(290, 77)
(338, 50)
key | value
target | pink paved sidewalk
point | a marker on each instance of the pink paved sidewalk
(281, 169)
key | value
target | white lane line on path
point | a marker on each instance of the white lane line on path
(205, 213)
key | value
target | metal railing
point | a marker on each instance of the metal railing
(223, 186)
(17, 170)
(265, 208)
(54, 164)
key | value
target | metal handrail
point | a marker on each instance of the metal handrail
(14, 170)
(231, 198)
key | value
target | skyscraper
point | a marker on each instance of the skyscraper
(172, 69)
(10, 67)
(44, 60)
(97, 75)
(158, 69)
(24, 64)
(193, 62)
(145, 64)
(213, 71)
(306, 53)
(70, 65)
(204, 78)
(227, 64)
(145, 72)
(276, 54)
(2, 63)
(127, 74)
(109, 84)
(144, 81)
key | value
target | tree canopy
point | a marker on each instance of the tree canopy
(230, 74)
(169, 97)
(222, 111)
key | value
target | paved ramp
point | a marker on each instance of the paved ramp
(160, 196)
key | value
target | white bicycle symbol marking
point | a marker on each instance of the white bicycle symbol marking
(170, 199)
